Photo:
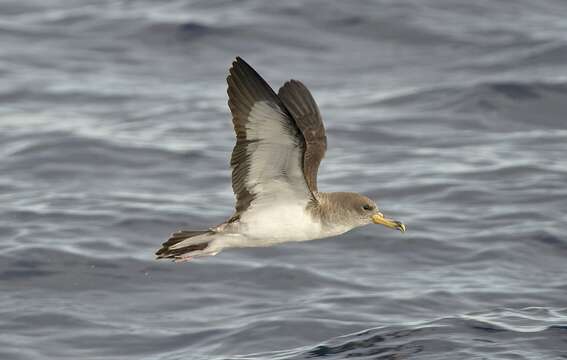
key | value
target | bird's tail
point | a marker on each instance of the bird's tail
(186, 244)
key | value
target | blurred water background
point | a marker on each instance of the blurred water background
(114, 131)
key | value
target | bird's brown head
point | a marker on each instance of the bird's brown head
(368, 210)
(359, 210)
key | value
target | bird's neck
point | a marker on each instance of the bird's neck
(328, 208)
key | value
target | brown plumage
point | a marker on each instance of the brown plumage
(305, 112)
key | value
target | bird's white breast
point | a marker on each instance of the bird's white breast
(280, 222)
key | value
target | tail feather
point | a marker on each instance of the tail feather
(173, 249)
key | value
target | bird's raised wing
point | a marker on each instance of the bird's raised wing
(268, 156)
(305, 112)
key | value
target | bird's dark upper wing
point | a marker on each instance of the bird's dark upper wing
(268, 156)
(305, 112)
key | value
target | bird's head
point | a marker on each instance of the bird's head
(363, 211)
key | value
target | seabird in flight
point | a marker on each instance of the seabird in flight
(280, 142)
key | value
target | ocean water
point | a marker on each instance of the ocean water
(114, 132)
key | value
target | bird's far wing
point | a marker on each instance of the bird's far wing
(305, 112)
(267, 158)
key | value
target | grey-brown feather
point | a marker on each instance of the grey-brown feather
(300, 103)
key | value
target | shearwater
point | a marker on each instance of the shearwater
(280, 142)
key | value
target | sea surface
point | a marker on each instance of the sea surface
(115, 131)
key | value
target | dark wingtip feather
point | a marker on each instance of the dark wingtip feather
(298, 99)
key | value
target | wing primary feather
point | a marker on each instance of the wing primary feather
(269, 146)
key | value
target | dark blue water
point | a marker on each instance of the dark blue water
(114, 132)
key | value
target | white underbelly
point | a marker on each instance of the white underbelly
(276, 224)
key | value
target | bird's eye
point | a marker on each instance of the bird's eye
(368, 207)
